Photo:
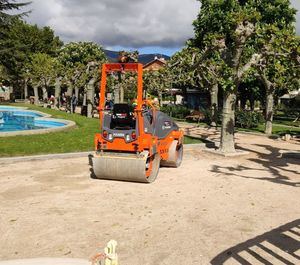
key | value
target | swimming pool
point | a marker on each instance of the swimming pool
(14, 120)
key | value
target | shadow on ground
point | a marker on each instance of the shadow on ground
(208, 139)
(280, 245)
(269, 161)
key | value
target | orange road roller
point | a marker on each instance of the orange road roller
(134, 139)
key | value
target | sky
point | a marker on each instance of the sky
(151, 26)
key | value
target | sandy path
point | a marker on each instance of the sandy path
(187, 216)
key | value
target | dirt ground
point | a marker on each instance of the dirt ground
(211, 210)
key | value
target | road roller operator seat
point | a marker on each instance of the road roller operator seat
(122, 117)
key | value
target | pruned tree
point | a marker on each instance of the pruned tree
(81, 61)
(41, 72)
(279, 67)
(193, 67)
(124, 82)
(157, 82)
(230, 30)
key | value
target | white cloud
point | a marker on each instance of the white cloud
(296, 4)
(127, 23)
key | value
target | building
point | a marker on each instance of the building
(155, 64)
(292, 99)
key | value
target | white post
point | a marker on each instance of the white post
(110, 252)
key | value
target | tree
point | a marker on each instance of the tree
(181, 68)
(157, 82)
(279, 67)
(81, 62)
(125, 82)
(251, 90)
(7, 18)
(192, 67)
(42, 70)
(22, 41)
(230, 31)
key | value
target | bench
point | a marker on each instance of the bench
(196, 115)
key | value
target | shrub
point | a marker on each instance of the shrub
(248, 119)
(291, 112)
(208, 116)
(176, 111)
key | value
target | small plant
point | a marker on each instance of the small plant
(176, 111)
(294, 113)
(248, 119)
(209, 118)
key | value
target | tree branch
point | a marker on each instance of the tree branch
(253, 61)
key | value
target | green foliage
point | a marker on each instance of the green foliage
(176, 111)
(252, 90)
(21, 42)
(248, 119)
(41, 69)
(280, 67)
(180, 68)
(208, 117)
(80, 61)
(5, 17)
(293, 112)
(78, 53)
(238, 34)
(156, 82)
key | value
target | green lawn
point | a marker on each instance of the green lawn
(77, 139)
(286, 121)
(192, 140)
(277, 129)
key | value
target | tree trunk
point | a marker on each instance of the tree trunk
(57, 92)
(269, 102)
(76, 92)
(214, 104)
(45, 94)
(243, 103)
(117, 94)
(269, 110)
(36, 94)
(252, 103)
(84, 98)
(160, 98)
(69, 89)
(121, 94)
(84, 102)
(68, 95)
(227, 131)
(25, 89)
(90, 97)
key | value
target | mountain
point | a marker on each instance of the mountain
(143, 58)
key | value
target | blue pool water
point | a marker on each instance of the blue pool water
(17, 119)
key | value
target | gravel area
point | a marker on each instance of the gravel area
(211, 210)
